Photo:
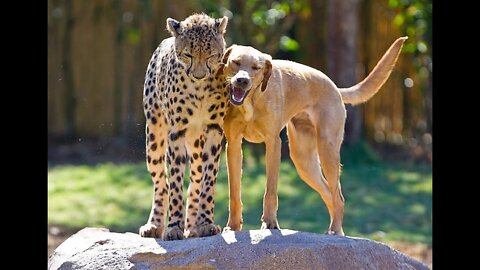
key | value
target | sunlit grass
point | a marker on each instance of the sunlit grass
(383, 201)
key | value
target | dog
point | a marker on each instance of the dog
(268, 94)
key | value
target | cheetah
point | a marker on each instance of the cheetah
(185, 102)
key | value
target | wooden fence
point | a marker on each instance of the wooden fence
(98, 52)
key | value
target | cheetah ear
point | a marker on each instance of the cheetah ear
(221, 24)
(267, 71)
(174, 27)
(222, 64)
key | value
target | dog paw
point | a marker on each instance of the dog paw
(203, 231)
(150, 230)
(270, 225)
(233, 226)
(227, 229)
(174, 233)
(339, 233)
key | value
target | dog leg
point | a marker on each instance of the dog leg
(270, 199)
(329, 151)
(301, 133)
(234, 167)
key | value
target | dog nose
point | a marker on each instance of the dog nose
(242, 82)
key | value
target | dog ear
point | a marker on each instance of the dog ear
(267, 71)
(226, 54)
(222, 64)
(174, 27)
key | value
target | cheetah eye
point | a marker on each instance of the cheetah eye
(256, 67)
(236, 62)
(187, 55)
(213, 55)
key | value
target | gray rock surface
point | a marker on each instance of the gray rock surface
(94, 248)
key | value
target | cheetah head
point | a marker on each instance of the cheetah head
(199, 44)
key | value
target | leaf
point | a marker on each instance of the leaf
(133, 36)
(393, 3)
(398, 20)
(288, 44)
(422, 47)
(260, 38)
(409, 48)
(282, 7)
(257, 18)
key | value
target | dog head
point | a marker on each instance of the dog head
(246, 70)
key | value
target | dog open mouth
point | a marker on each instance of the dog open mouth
(237, 95)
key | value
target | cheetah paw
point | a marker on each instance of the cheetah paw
(151, 230)
(203, 231)
(174, 233)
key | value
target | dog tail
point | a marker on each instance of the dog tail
(367, 88)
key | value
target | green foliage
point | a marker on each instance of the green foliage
(288, 44)
(383, 201)
(264, 17)
(414, 19)
(133, 35)
(262, 24)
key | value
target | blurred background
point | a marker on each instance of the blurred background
(97, 55)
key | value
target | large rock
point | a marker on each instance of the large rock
(93, 248)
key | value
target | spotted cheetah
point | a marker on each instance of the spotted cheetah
(184, 104)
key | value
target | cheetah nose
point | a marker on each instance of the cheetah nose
(199, 77)
(242, 82)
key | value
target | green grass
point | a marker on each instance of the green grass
(383, 201)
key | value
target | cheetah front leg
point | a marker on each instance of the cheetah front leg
(155, 148)
(194, 149)
(204, 224)
(176, 159)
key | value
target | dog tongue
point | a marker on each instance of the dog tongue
(238, 93)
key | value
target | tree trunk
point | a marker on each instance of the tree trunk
(118, 70)
(70, 102)
(135, 86)
(342, 58)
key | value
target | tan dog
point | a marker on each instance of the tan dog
(269, 94)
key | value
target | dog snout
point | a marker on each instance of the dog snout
(242, 82)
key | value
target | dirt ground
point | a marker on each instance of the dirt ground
(421, 252)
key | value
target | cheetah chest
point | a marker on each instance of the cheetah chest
(196, 105)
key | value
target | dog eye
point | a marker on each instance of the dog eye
(256, 67)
